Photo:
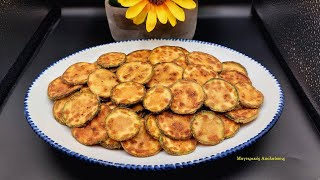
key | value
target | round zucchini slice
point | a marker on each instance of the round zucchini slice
(165, 74)
(199, 73)
(57, 109)
(152, 127)
(80, 109)
(177, 147)
(163, 54)
(207, 128)
(78, 73)
(85, 89)
(57, 89)
(109, 143)
(142, 145)
(230, 127)
(111, 59)
(95, 131)
(221, 95)
(234, 66)
(188, 97)
(234, 77)
(205, 59)
(139, 72)
(249, 96)
(128, 93)
(139, 55)
(122, 124)
(157, 99)
(175, 126)
(101, 82)
(243, 115)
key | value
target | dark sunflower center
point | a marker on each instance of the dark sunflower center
(157, 2)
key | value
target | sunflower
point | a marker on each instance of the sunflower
(163, 10)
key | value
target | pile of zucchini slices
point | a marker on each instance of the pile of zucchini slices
(148, 100)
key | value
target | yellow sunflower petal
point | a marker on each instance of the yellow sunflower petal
(171, 18)
(133, 11)
(176, 10)
(188, 4)
(128, 3)
(142, 16)
(151, 19)
(162, 14)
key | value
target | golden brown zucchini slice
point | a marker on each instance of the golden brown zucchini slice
(187, 97)
(78, 73)
(152, 127)
(57, 109)
(182, 61)
(230, 127)
(128, 93)
(175, 126)
(243, 115)
(57, 89)
(207, 128)
(111, 59)
(85, 89)
(142, 145)
(185, 52)
(140, 72)
(165, 74)
(234, 66)
(163, 54)
(249, 96)
(122, 124)
(157, 99)
(80, 109)
(234, 77)
(95, 131)
(199, 73)
(177, 147)
(205, 59)
(139, 55)
(109, 143)
(101, 82)
(221, 95)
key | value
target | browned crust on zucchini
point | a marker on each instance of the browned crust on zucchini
(57, 89)
(177, 147)
(140, 72)
(249, 96)
(163, 54)
(152, 127)
(157, 99)
(234, 77)
(230, 127)
(243, 115)
(231, 65)
(111, 59)
(128, 93)
(139, 55)
(78, 73)
(202, 58)
(101, 82)
(173, 73)
(199, 73)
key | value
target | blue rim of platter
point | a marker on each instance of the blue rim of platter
(154, 167)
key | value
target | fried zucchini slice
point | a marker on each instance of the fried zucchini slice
(205, 59)
(57, 89)
(142, 145)
(101, 82)
(95, 131)
(157, 99)
(128, 93)
(85, 89)
(57, 109)
(122, 124)
(80, 109)
(109, 143)
(234, 77)
(199, 73)
(230, 127)
(234, 66)
(111, 59)
(249, 96)
(152, 127)
(177, 147)
(165, 74)
(188, 97)
(78, 73)
(137, 107)
(207, 128)
(139, 55)
(139, 72)
(221, 95)
(163, 54)
(243, 115)
(175, 126)
(185, 52)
